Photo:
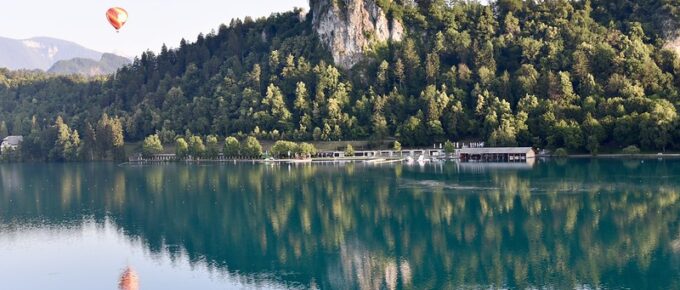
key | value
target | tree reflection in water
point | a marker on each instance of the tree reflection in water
(581, 223)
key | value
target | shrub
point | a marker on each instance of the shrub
(152, 145)
(349, 151)
(306, 150)
(449, 147)
(561, 152)
(181, 148)
(252, 148)
(631, 150)
(231, 147)
(284, 149)
(212, 147)
(196, 147)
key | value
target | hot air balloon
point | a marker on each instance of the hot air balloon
(117, 17)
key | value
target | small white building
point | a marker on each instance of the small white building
(11, 143)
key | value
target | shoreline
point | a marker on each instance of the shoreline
(618, 156)
(383, 160)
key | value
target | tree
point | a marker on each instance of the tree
(117, 139)
(231, 147)
(110, 137)
(72, 152)
(561, 153)
(181, 148)
(306, 150)
(275, 114)
(251, 148)
(593, 145)
(66, 144)
(594, 133)
(284, 149)
(196, 147)
(104, 135)
(412, 132)
(631, 150)
(349, 150)
(509, 72)
(504, 136)
(449, 147)
(397, 146)
(3, 130)
(212, 147)
(152, 145)
(301, 95)
(382, 75)
(87, 149)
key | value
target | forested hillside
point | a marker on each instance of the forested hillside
(574, 74)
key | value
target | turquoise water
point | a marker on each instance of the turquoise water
(578, 224)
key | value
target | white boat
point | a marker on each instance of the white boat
(422, 159)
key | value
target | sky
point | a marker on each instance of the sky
(151, 22)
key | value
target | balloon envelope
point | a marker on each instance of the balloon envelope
(117, 17)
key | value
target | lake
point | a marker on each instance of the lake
(576, 224)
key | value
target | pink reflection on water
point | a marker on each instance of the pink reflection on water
(128, 280)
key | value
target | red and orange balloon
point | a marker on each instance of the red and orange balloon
(117, 17)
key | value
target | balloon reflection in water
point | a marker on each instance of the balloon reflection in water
(128, 280)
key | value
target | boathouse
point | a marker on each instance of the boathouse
(497, 154)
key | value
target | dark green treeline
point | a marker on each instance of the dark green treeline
(582, 75)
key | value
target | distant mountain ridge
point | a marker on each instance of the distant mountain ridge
(108, 64)
(43, 53)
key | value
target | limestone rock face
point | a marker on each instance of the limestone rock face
(349, 27)
(674, 44)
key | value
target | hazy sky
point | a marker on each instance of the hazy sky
(151, 22)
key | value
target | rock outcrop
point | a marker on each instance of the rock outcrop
(349, 27)
(674, 44)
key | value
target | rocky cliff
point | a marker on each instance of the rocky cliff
(349, 27)
(674, 44)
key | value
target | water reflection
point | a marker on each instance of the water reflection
(128, 280)
(577, 224)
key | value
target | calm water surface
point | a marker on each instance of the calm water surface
(579, 224)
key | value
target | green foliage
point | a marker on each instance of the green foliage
(181, 148)
(631, 150)
(66, 144)
(109, 136)
(284, 149)
(396, 146)
(152, 145)
(196, 147)
(412, 132)
(561, 153)
(306, 150)
(10, 155)
(449, 147)
(212, 147)
(349, 150)
(569, 74)
(251, 148)
(3, 130)
(231, 147)
(166, 136)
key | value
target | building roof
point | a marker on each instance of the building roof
(495, 150)
(12, 140)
